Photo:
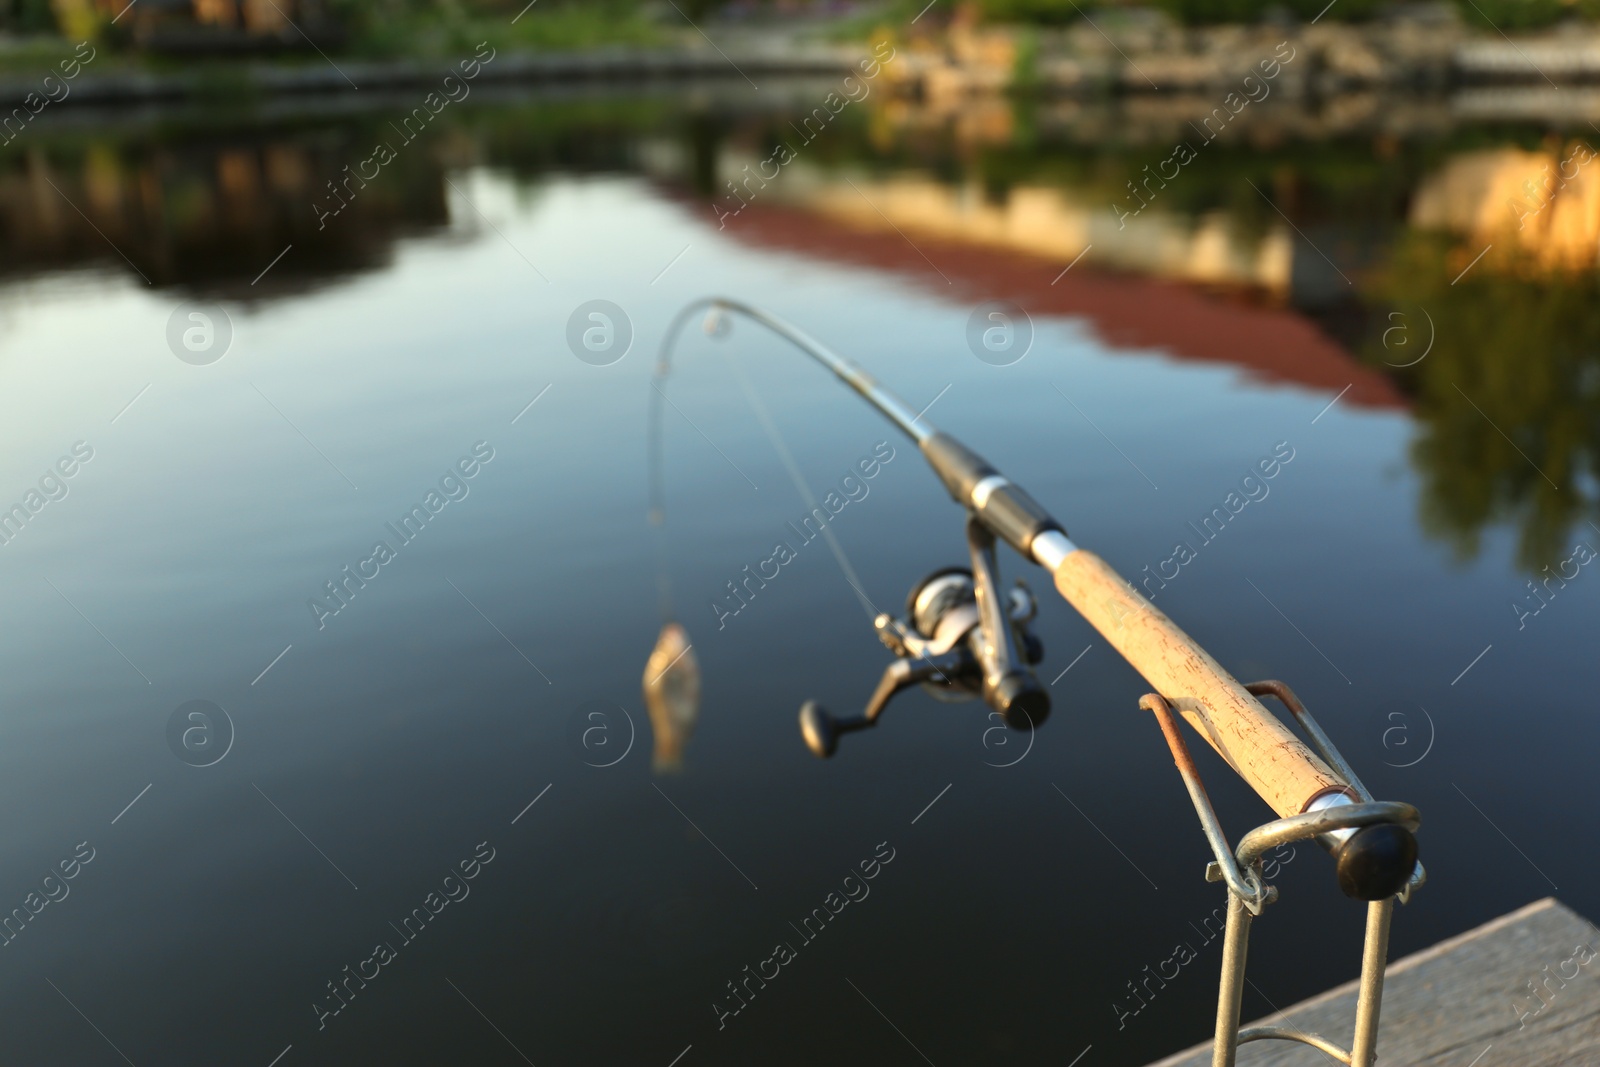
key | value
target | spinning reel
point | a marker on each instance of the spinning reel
(962, 637)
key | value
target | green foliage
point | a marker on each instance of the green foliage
(1514, 15)
(1205, 12)
(447, 27)
(1194, 12)
(1025, 73)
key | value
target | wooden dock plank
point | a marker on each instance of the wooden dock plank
(1522, 990)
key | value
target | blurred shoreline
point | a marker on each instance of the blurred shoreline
(1417, 50)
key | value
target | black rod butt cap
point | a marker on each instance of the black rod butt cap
(1377, 862)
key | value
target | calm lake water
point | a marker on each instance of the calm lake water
(368, 754)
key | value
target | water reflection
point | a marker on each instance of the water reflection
(203, 214)
(188, 206)
(1517, 232)
(1355, 235)
(1544, 203)
(1507, 401)
(1316, 224)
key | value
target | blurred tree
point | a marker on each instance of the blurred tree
(1048, 12)
(1196, 12)
(699, 9)
(1516, 14)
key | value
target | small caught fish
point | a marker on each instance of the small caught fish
(672, 695)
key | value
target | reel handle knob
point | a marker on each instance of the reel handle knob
(822, 731)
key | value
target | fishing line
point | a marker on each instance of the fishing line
(800, 483)
(657, 473)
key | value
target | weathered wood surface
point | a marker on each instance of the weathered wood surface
(1465, 1001)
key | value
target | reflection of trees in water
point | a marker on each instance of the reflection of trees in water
(195, 208)
(1524, 346)
(207, 215)
(190, 207)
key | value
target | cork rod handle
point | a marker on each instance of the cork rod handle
(1275, 763)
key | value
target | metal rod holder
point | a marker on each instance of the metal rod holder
(1248, 895)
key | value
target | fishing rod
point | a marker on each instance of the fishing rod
(963, 633)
